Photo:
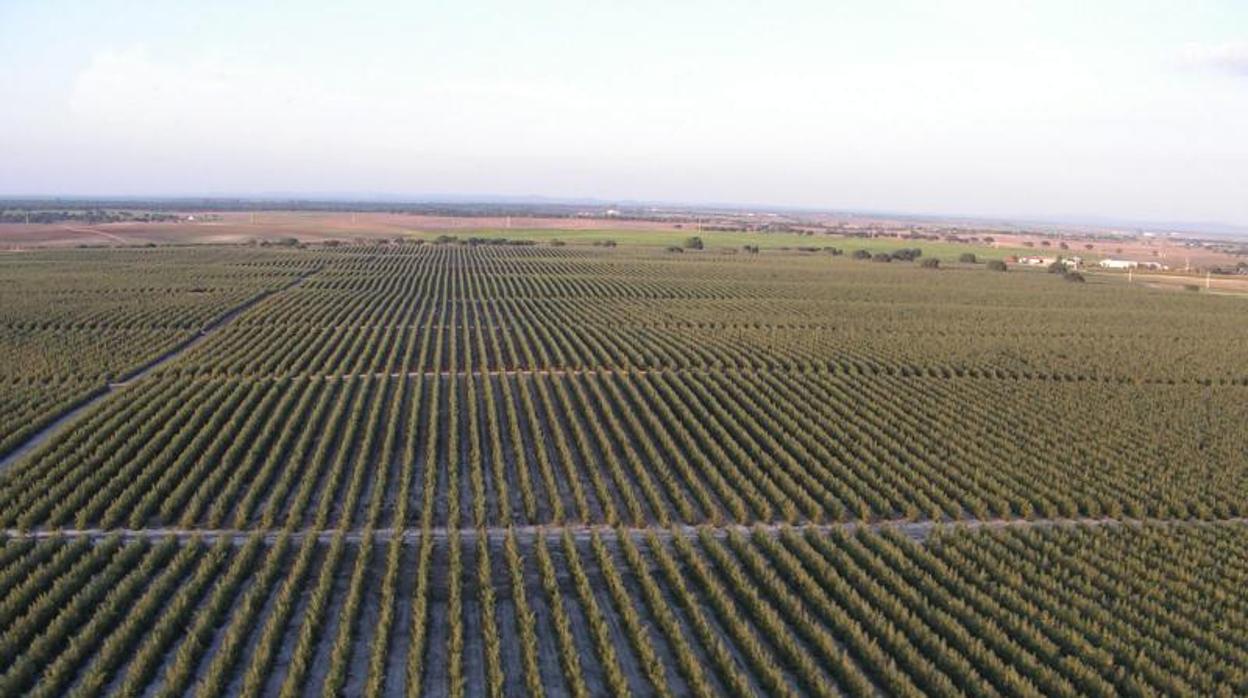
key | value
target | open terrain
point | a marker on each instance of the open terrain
(720, 230)
(406, 468)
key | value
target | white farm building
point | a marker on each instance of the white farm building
(1131, 264)
(1117, 264)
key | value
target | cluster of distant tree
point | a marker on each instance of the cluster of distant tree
(1240, 269)
(911, 235)
(90, 216)
(834, 251)
(474, 241)
(754, 228)
(905, 254)
(286, 242)
(1059, 267)
(439, 240)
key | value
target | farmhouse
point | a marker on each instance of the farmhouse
(1131, 264)
(1117, 264)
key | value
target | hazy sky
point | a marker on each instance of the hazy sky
(1131, 109)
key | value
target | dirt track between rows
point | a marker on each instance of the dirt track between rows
(67, 418)
(918, 530)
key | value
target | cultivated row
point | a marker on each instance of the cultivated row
(631, 448)
(1059, 612)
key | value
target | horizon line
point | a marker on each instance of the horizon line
(532, 200)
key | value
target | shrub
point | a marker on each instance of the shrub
(930, 263)
(997, 265)
(968, 258)
(861, 254)
(907, 254)
(882, 257)
(693, 243)
(557, 243)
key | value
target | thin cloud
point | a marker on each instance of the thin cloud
(1229, 58)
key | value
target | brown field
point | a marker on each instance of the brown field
(315, 226)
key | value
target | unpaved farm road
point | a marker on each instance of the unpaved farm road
(96, 231)
(918, 530)
(71, 416)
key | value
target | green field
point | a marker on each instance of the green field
(724, 240)
(453, 469)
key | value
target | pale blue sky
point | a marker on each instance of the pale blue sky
(1130, 109)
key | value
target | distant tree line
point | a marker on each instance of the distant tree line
(92, 216)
